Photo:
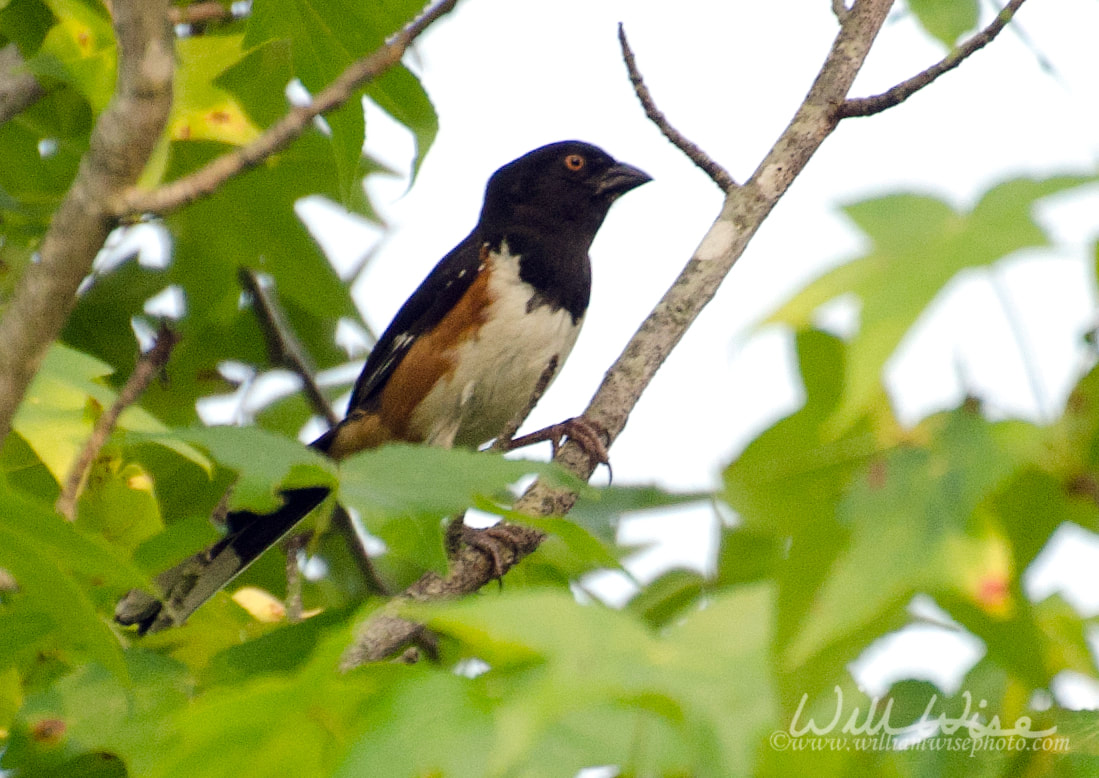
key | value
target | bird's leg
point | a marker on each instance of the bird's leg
(501, 543)
(589, 435)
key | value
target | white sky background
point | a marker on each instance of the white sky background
(506, 77)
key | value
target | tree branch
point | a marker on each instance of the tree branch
(867, 106)
(19, 89)
(146, 369)
(386, 632)
(205, 181)
(283, 348)
(744, 210)
(716, 172)
(120, 145)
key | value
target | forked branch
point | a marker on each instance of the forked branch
(867, 106)
(704, 161)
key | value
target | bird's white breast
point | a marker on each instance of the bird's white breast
(498, 370)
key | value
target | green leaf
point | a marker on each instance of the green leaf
(599, 510)
(706, 677)
(201, 109)
(279, 652)
(668, 597)
(794, 474)
(42, 552)
(253, 217)
(919, 245)
(1033, 506)
(69, 550)
(746, 556)
(98, 715)
(1074, 439)
(266, 463)
(26, 22)
(32, 185)
(913, 528)
(1032, 641)
(945, 20)
(60, 407)
(403, 492)
(575, 551)
(325, 38)
(455, 711)
(400, 94)
(270, 726)
(118, 503)
(100, 324)
(258, 80)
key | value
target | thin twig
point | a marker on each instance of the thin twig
(150, 365)
(1043, 60)
(283, 347)
(868, 106)
(345, 526)
(200, 13)
(716, 172)
(840, 9)
(205, 181)
(1026, 350)
(295, 544)
(19, 87)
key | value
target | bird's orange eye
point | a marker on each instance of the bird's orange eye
(574, 162)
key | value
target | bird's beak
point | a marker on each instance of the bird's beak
(619, 179)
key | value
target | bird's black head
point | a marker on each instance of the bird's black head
(567, 186)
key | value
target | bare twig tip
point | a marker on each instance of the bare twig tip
(150, 365)
(707, 164)
(868, 106)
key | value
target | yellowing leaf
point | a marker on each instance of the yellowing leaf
(201, 110)
(983, 569)
(260, 604)
(80, 50)
(224, 122)
(265, 607)
(62, 404)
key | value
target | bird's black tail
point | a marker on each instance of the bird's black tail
(198, 578)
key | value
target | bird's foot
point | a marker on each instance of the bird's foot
(588, 434)
(502, 544)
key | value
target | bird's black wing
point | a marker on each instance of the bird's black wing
(427, 306)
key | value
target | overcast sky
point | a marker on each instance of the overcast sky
(506, 77)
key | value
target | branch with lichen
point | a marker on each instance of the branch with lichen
(121, 143)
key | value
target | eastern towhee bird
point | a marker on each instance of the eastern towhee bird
(464, 356)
